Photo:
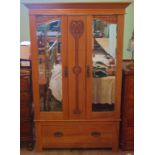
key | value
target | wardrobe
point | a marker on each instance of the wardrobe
(77, 73)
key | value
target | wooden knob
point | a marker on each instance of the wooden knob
(96, 134)
(58, 134)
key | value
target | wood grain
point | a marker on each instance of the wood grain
(77, 127)
(76, 12)
(35, 79)
(64, 55)
(119, 54)
(77, 135)
(88, 58)
(76, 29)
(127, 124)
(76, 57)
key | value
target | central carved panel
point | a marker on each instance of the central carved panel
(77, 70)
(77, 29)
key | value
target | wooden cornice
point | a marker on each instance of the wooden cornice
(83, 5)
(79, 5)
(78, 8)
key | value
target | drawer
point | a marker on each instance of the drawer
(25, 97)
(24, 84)
(77, 136)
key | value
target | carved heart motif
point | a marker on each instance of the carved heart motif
(77, 28)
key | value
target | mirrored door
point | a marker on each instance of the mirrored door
(49, 63)
(103, 64)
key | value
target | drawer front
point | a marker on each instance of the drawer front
(24, 84)
(77, 136)
(24, 97)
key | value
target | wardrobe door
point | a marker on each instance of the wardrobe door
(51, 57)
(76, 66)
(102, 61)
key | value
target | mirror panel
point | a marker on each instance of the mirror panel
(104, 65)
(49, 63)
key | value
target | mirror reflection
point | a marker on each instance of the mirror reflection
(49, 61)
(104, 65)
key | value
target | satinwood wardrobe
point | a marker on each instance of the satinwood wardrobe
(77, 73)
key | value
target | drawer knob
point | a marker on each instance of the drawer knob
(58, 134)
(96, 134)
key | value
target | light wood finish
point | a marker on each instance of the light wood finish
(76, 80)
(115, 145)
(77, 8)
(35, 85)
(53, 116)
(76, 12)
(77, 135)
(119, 54)
(77, 120)
(64, 54)
(89, 63)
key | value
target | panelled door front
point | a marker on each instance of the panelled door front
(76, 66)
(77, 63)
(104, 67)
(92, 63)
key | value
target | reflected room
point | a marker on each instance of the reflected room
(104, 65)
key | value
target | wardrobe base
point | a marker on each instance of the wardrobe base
(76, 134)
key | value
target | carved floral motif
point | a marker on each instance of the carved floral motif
(77, 29)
